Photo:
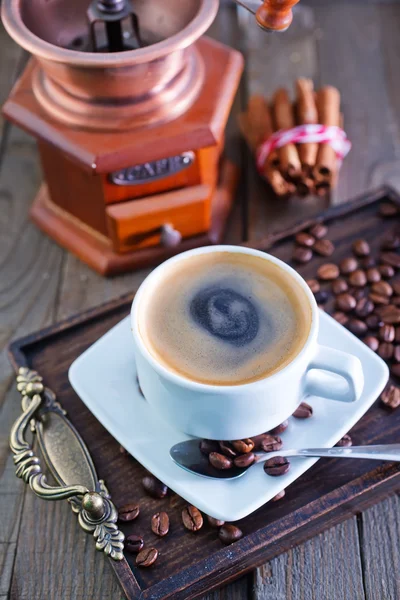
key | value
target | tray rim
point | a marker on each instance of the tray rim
(316, 516)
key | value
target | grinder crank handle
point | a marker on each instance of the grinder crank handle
(275, 15)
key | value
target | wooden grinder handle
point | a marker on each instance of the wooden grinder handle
(275, 15)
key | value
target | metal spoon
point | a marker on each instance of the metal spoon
(188, 456)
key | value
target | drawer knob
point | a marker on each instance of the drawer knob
(170, 237)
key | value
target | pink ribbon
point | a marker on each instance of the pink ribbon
(303, 134)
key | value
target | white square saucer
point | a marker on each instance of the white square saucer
(104, 377)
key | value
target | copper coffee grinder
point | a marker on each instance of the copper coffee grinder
(129, 105)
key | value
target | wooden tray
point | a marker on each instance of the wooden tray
(332, 490)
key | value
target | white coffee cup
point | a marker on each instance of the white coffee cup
(240, 411)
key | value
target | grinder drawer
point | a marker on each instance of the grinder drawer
(135, 223)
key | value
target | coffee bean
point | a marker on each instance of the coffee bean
(302, 255)
(277, 465)
(324, 247)
(358, 293)
(396, 354)
(229, 533)
(358, 278)
(382, 288)
(243, 446)
(373, 322)
(280, 428)
(372, 342)
(303, 411)
(391, 258)
(227, 449)
(133, 543)
(385, 350)
(340, 317)
(279, 496)
(396, 287)
(160, 524)
(367, 262)
(387, 209)
(395, 300)
(373, 275)
(146, 557)
(357, 327)
(191, 518)
(244, 460)
(257, 439)
(391, 314)
(391, 242)
(154, 487)
(391, 397)
(378, 298)
(319, 231)
(215, 522)
(348, 265)
(395, 370)
(321, 297)
(208, 446)
(386, 271)
(128, 512)
(314, 286)
(220, 461)
(339, 286)
(361, 248)
(345, 302)
(345, 442)
(397, 334)
(328, 272)
(364, 307)
(386, 333)
(271, 443)
(305, 239)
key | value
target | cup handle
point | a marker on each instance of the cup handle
(342, 364)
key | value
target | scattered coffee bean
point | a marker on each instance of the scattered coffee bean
(160, 524)
(395, 370)
(324, 247)
(243, 446)
(305, 239)
(391, 314)
(348, 265)
(208, 446)
(378, 298)
(386, 333)
(279, 496)
(357, 326)
(339, 286)
(386, 271)
(396, 287)
(364, 307)
(303, 411)
(392, 242)
(372, 342)
(227, 449)
(345, 442)
(244, 460)
(215, 522)
(277, 465)
(373, 322)
(387, 209)
(302, 255)
(340, 317)
(146, 557)
(280, 428)
(391, 258)
(358, 293)
(271, 443)
(395, 300)
(391, 396)
(367, 262)
(328, 272)
(358, 278)
(257, 439)
(396, 354)
(314, 286)
(229, 533)
(383, 288)
(154, 487)
(192, 518)
(361, 248)
(128, 512)
(397, 334)
(133, 543)
(319, 231)
(385, 350)
(373, 275)
(345, 302)
(220, 461)
(321, 297)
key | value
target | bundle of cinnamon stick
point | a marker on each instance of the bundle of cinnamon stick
(301, 169)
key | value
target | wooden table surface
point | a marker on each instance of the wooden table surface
(353, 44)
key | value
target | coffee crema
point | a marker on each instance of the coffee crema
(224, 318)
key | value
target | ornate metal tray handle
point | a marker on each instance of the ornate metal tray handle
(67, 459)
